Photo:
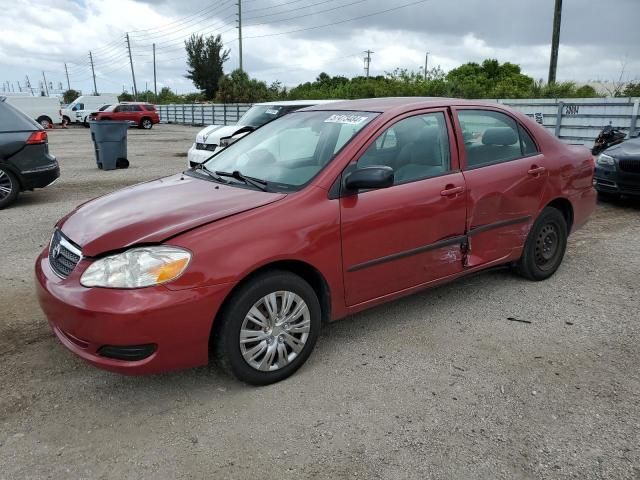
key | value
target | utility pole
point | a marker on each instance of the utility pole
(46, 89)
(93, 72)
(240, 32)
(67, 74)
(426, 65)
(155, 85)
(367, 61)
(555, 41)
(133, 74)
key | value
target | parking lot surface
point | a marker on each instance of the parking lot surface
(489, 377)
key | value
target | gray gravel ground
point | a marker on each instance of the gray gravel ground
(438, 385)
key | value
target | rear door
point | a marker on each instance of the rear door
(505, 176)
(410, 233)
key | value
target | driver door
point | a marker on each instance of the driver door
(411, 233)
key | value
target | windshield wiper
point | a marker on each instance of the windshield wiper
(209, 173)
(256, 182)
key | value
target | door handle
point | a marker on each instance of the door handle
(535, 170)
(450, 190)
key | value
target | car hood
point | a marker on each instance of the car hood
(155, 211)
(212, 135)
(627, 149)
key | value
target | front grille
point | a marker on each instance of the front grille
(130, 353)
(627, 187)
(63, 254)
(629, 165)
(206, 146)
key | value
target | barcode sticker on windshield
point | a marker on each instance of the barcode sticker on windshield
(271, 112)
(346, 119)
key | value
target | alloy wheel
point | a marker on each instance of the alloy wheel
(6, 185)
(274, 331)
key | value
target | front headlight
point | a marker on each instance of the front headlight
(604, 159)
(136, 268)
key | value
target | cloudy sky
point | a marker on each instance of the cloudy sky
(293, 40)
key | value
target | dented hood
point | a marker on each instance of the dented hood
(154, 211)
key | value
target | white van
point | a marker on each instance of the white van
(79, 110)
(44, 110)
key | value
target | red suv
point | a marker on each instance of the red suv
(141, 114)
(313, 217)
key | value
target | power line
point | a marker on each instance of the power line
(308, 14)
(339, 22)
(290, 10)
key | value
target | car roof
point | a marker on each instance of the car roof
(386, 104)
(287, 103)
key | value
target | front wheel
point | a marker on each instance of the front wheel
(9, 188)
(545, 246)
(268, 329)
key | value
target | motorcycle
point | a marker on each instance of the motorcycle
(607, 137)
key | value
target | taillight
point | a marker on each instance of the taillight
(37, 138)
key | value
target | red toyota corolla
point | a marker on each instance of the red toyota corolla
(317, 215)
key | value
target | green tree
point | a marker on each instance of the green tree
(632, 89)
(238, 87)
(489, 80)
(205, 58)
(70, 95)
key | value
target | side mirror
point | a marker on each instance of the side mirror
(369, 178)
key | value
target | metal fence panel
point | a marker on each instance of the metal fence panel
(573, 120)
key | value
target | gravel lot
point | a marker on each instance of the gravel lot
(438, 385)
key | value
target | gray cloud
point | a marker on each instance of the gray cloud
(596, 37)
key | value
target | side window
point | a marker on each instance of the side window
(415, 147)
(491, 137)
(119, 108)
(527, 144)
(135, 108)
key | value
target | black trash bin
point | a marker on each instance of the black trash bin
(110, 142)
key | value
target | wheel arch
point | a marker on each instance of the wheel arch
(304, 270)
(564, 206)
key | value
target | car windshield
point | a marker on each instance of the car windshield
(104, 107)
(258, 115)
(293, 149)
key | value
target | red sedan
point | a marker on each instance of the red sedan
(317, 215)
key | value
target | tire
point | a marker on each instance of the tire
(9, 187)
(85, 123)
(146, 124)
(45, 122)
(545, 246)
(66, 121)
(269, 341)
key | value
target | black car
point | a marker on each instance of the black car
(618, 170)
(25, 161)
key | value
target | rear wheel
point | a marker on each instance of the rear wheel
(9, 188)
(268, 329)
(45, 122)
(146, 123)
(545, 246)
